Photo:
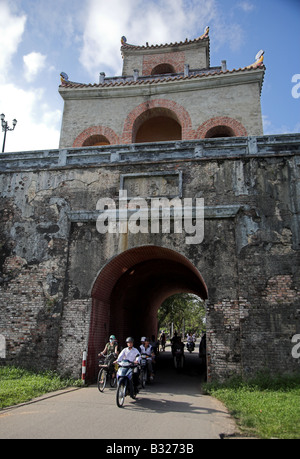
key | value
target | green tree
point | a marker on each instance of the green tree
(183, 310)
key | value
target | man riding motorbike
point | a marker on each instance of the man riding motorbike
(133, 355)
(147, 349)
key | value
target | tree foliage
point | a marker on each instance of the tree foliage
(183, 310)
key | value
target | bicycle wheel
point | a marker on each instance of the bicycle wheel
(113, 380)
(101, 381)
(121, 393)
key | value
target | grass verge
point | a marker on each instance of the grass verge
(266, 406)
(18, 385)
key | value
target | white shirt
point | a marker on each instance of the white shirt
(129, 354)
(148, 351)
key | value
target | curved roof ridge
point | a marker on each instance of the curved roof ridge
(151, 80)
(126, 45)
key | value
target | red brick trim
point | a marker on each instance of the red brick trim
(176, 60)
(138, 114)
(111, 136)
(238, 129)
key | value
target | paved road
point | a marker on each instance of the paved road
(171, 408)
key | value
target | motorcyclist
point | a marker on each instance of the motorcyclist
(133, 355)
(190, 341)
(162, 340)
(190, 338)
(177, 343)
(147, 349)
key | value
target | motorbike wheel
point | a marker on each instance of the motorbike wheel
(101, 380)
(121, 393)
(143, 378)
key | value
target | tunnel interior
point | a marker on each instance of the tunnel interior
(130, 289)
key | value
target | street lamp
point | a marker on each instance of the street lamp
(6, 128)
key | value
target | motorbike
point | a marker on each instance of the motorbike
(190, 345)
(125, 382)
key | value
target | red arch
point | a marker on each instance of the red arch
(238, 129)
(144, 275)
(111, 136)
(181, 114)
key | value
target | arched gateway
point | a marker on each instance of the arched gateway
(129, 290)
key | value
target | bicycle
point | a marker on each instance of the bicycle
(107, 371)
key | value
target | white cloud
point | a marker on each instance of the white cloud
(33, 63)
(161, 21)
(12, 29)
(38, 126)
(246, 6)
(270, 128)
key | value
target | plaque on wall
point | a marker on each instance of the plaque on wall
(152, 185)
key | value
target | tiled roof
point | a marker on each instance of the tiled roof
(166, 45)
(129, 81)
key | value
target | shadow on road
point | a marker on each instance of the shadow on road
(192, 368)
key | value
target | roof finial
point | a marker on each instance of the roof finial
(205, 34)
(259, 60)
(123, 40)
(64, 77)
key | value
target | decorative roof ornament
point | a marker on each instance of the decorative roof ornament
(259, 60)
(205, 34)
(64, 78)
(123, 40)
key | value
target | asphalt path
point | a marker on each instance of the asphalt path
(172, 407)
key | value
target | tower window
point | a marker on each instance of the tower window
(96, 140)
(219, 131)
(162, 69)
(158, 129)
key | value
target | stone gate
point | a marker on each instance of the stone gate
(65, 286)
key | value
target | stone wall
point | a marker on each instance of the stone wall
(51, 252)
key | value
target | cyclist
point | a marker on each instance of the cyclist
(111, 348)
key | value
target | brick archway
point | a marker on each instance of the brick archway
(238, 130)
(102, 131)
(179, 113)
(129, 290)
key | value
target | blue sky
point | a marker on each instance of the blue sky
(41, 38)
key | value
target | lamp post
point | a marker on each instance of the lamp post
(6, 128)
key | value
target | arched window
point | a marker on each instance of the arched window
(221, 126)
(157, 125)
(162, 69)
(95, 140)
(219, 131)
